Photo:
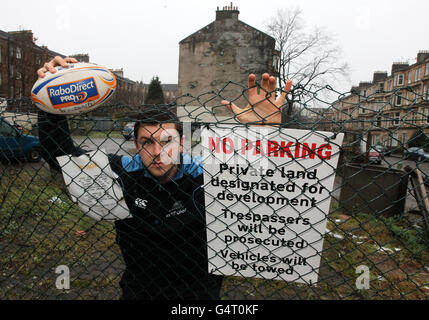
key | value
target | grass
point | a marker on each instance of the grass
(37, 234)
(101, 134)
(395, 252)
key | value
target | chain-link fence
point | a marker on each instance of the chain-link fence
(331, 204)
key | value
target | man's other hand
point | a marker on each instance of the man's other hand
(263, 106)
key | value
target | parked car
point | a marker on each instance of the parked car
(383, 150)
(18, 126)
(16, 145)
(128, 131)
(416, 154)
(374, 156)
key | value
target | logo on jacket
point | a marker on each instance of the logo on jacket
(140, 203)
(176, 210)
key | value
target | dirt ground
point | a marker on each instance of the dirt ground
(41, 229)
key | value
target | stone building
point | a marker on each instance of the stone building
(20, 58)
(128, 92)
(390, 108)
(169, 90)
(225, 50)
(81, 57)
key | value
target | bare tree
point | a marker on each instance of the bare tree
(310, 59)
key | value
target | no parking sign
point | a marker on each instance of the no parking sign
(267, 195)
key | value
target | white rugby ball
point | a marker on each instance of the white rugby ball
(79, 88)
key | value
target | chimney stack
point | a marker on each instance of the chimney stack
(227, 12)
(399, 66)
(422, 56)
(379, 76)
(23, 35)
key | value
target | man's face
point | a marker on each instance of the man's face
(159, 147)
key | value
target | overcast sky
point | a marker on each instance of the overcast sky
(142, 37)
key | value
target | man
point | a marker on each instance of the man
(164, 243)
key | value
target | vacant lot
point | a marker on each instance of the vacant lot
(41, 229)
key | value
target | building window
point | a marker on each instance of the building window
(426, 113)
(398, 99)
(414, 97)
(394, 140)
(417, 75)
(11, 92)
(426, 92)
(11, 51)
(12, 71)
(0, 52)
(404, 138)
(18, 53)
(379, 122)
(397, 118)
(18, 75)
(38, 60)
(427, 69)
(409, 76)
(399, 79)
(381, 87)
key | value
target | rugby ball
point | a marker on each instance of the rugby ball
(79, 88)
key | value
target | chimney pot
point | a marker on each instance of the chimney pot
(228, 12)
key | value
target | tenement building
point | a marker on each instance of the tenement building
(390, 107)
(20, 58)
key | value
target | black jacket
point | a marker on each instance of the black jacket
(164, 244)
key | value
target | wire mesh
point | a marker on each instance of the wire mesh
(372, 221)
